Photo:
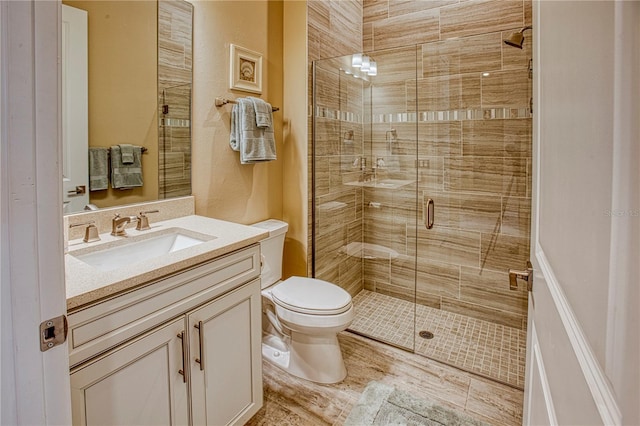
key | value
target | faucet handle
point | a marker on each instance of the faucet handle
(143, 220)
(90, 233)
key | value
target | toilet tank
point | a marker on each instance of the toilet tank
(272, 248)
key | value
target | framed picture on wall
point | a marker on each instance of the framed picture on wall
(245, 70)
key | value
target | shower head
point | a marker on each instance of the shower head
(517, 39)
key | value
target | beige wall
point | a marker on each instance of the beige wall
(122, 87)
(295, 184)
(224, 188)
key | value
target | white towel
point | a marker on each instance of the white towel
(264, 112)
(255, 144)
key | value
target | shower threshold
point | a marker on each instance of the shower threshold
(491, 350)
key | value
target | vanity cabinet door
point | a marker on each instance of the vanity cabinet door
(137, 383)
(226, 358)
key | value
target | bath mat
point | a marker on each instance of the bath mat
(382, 404)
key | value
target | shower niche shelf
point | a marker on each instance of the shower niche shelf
(382, 183)
(369, 251)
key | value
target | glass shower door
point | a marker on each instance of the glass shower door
(446, 123)
(365, 189)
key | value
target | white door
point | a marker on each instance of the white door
(35, 384)
(75, 122)
(583, 346)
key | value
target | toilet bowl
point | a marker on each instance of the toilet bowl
(301, 316)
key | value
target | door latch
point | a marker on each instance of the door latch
(53, 332)
(526, 275)
(80, 189)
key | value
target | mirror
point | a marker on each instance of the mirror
(136, 91)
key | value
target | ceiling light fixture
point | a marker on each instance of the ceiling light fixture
(366, 64)
(356, 60)
(373, 68)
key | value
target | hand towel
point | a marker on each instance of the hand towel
(98, 169)
(126, 176)
(126, 152)
(255, 144)
(264, 112)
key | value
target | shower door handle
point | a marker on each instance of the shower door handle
(428, 210)
(526, 275)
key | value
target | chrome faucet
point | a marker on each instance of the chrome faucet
(118, 223)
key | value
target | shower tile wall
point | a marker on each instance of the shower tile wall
(339, 141)
(335, 29)
(470, 104)
(175, 56)
(473, 156)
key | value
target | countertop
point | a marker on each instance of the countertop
(86, 284)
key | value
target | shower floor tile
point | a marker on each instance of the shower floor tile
(491, 350)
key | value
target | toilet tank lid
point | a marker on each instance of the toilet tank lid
(274, 226)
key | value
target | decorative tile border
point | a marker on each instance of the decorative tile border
(174, 122)
(350, 117)
(428, 116)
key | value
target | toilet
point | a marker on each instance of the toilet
(301, 317)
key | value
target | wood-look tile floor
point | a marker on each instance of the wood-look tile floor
(289, 400)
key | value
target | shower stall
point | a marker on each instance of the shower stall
(421, 197)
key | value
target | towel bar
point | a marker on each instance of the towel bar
(142, 149)
(222, 101)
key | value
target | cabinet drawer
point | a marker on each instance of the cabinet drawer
(98, 328)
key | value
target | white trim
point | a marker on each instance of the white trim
(32, 257)
(622, 344)
(542, 374)
(594, 375)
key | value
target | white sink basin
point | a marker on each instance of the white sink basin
(128, 251)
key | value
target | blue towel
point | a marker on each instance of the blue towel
(98, 168)
(126, 153)
(264, 112)
(126, 176)
(255, 144)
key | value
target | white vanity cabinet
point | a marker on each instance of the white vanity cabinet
(137, 383)
(224, 368)
(182, 350)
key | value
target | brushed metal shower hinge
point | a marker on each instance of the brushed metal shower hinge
(53, 332)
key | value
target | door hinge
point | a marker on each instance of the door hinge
(53, 332)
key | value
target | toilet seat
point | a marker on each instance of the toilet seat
(311, 296)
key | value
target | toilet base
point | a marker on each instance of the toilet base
(314, 358)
